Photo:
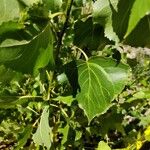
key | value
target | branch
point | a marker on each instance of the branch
(60, 36)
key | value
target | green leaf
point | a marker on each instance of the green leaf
(53, 5)
(117, 73)
(43, 135)
(8, 99)
(79, 3)
(30, 2)
(147, 133)
(140, 34)
(139, 10)
(28, 56)
(100, 81)
(65, 99)
(116, 122)
(138, 95)
(10, 26)
(9, 10)
(103, 146)
(120, 17)
(7, 102)
(64, 131)
(102, 13)
(24, 137)
(62, 79)
(6, 75)
(144, 121)
(88, 35)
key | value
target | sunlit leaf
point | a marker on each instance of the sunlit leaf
(65, 99)
(147, 133)
(43, 135)
(64, 131)
(144, 121)
(100, 81)
(7, 6)
(103, 146)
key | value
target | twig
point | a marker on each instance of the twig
(60, 36)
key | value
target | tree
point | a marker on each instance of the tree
(63, 60)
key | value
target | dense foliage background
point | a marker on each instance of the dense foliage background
(75, 74)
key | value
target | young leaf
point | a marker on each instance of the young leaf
(43, 135)
(100, 81)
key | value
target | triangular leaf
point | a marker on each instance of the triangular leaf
(100, 81)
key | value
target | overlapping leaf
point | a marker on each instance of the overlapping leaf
(139, 10)
(100, 81)
(140, 34)
(53, 5)
(102, 13)
(28, 56)
(88, 35)
(9, 10)
(9, 21)
(10, 26)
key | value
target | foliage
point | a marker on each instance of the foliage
(74, 74)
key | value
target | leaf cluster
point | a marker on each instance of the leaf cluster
(74, 74)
